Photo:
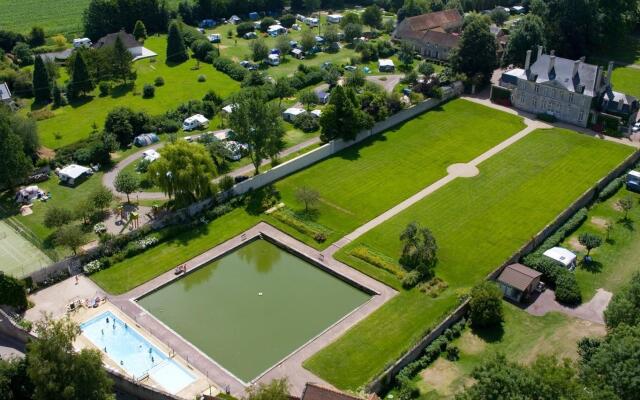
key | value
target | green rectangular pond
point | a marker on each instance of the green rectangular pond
(253, 307)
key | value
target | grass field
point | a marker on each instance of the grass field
(478, 223)
(136, 270)
(522, 338)
(365, 180)
(55, 16)
(626, 80)
(74, 122)
(18, 256)
(61, 196)
(617, 259)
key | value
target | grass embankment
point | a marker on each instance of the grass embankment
(478, 223)
(367, 179)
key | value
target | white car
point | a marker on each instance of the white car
(636, 127)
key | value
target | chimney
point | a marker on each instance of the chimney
(598, 80)
(609, 72)
(552, 62)
(539, 52)
(576, 67)
(527, 61)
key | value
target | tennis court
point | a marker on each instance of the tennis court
(18, 257)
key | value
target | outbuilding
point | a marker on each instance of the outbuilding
(563, 256)
(194, 121)
(290, 114)
(334, 18)
(72, 174)
(518, 281)
(386, 65)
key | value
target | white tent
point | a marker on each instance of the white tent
(71, 173)
(290, 114)
(334, 18)
(150, 155)
(29, 193)
(562, 255)
(316, 113)
(384, 64)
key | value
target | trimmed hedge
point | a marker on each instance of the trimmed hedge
(610, 189)
(227, 66)
(12, 292)
(564, 231)
(367, 255)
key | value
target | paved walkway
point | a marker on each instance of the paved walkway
(454, 171)
(290, 367)
(109, 178)
(591, 311)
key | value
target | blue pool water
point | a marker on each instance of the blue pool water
(127, 348)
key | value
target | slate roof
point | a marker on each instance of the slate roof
(109, 40)
(518, 276)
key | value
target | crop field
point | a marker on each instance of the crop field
(478, 223)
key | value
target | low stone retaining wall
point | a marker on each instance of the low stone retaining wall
(385, 379)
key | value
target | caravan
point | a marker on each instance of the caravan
(194, 122)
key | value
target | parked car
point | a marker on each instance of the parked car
(240, 178)
(350, 68)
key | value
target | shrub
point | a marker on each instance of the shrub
(12, 292)
(92, 267)
(227, 66)
(244, 27)
(105, 88)
(453, 353)
(297, 224)
(567, 289)
(306, 123)
(485, 305)
(226, 183)
(159, 81)
(433, 287)
(411, 279)
(202, 78)
(201, 49)
(148, 91)
(610, 189)
(320, 237)
(367, 255)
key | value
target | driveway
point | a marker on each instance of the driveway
(592, 311)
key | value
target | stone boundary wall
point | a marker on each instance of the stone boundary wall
(337, 145)
(385, 379)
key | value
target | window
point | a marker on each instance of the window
(581, 117)
(570, 97)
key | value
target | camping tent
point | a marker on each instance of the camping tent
(145, 139)
(71, 173)
(290, 114)
(28, 194)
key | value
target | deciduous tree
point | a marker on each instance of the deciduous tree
(485, 305)
(589, 241)
(342, 117)
(624, 307)
(70, 236)
(57, 216)
(476, 53)
(127, 183)
(419, 250)
(307, 196)
(528, 34)
(372, 16)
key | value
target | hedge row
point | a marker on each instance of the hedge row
(290, 220)
(367, 255)
(227, 66)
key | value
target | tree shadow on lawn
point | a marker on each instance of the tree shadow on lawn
(121, 90)
(311, 215)
(592, 266)
(489, 335)
(352, 153)
(627, 223)
(185, 237)
(80, 101)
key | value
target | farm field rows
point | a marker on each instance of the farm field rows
(478, 223)
(365, 180)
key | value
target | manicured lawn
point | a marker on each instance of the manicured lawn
(74, 122)
(522, 338)
(134, 271)
(478, 223)
(61, 196)
(626, 80)
(364, 180)
(617, 259)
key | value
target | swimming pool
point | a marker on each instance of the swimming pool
(127, 348)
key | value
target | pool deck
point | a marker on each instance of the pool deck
(289, 367)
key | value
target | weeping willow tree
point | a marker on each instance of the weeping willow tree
(184, 172)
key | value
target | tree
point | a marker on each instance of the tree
(426, 68)
(372, 16)
(184, 172)
(176, 50)
(57, 216)
(612, 367)
(244, 28)
(85, 209)
(81, 82)
(266, 23)
(70, 236)
(308, 197)
(526, 35)
(307, 40)
(355, 79)
(308, 98)
(121, 60)
(625, 204)
(36, 37)
(101, 198)
(405, 54)
(311, 5)
(259, 50)
(539, 8)
(331, 34)
(352, 32)
(410, 8)
(350, 17)
(256, 123)
(127, 183)
(625, 305)
(27, 130)
(499, 16)
(23, 54)
(140, 31)
(12, 292)
(485, 305)
(14, 163)
(57, 371)
(342, 117)
(14, 382)
(476, 53)
(220, 155)
(41, 82)
(288, 20)
(419, 250)
(277, 389)
(589, 241)
(283, 89)
(282, 44)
